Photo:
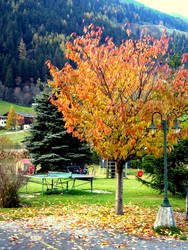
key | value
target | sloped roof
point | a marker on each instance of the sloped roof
(27, 115)
(2, 116)
(25, 161)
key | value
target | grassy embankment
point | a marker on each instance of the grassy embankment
(5, 106)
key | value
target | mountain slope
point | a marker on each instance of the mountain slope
(5, 106)
(180, 16)
(33, 31)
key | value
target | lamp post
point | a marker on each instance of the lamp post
(165, 215)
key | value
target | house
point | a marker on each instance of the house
(24, 119)
(3, 120)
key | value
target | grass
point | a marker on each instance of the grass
(15, 136)
(5, 106)
(133, 192)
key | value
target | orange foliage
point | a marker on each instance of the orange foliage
(108, 98)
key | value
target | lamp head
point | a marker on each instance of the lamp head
(152, 127)
(176, 126)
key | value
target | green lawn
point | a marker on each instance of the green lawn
(80, 207)
(16, 136)
(5, 106)
(134, 192)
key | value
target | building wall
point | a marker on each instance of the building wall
(26, 126)
(2, 122)
(24, 122)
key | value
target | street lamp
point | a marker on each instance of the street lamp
(165, 215)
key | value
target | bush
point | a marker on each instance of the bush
(5, 143)
(10, 182)
(177, 169)
(7, 155)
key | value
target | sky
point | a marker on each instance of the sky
(168, 6)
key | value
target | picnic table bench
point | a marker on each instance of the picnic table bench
(81, 170)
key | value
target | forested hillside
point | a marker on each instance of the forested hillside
(33, 31)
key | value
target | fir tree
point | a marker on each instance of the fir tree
(177, 169)
(9, 80)
(49, 145)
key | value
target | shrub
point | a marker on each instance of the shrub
(13, 154)
(5, 142)
(170, 230)
(167, 230)
(177, 169)
(10, 182)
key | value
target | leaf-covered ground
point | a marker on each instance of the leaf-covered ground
(136, 221)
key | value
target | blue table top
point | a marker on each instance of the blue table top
(55, 175)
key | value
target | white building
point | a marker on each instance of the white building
(3, 120)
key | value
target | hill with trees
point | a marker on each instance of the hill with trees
(35, 31)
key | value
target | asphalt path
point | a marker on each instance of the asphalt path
(53, 233)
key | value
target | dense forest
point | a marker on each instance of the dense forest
(33, 31)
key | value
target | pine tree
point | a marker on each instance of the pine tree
(9, 80)
(177, 170)
(11, 119)
(49, 145)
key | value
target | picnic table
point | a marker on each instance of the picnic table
(58, 180)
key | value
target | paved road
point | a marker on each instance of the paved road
(52, 233)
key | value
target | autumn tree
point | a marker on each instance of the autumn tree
(107, 95)
(22, 50)
(11, 119)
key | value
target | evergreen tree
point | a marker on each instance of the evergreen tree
(177, 169)
(9, 80)
(174, 60)
(49, 145)
(11, 119)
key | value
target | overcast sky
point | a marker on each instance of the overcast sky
(168, 6)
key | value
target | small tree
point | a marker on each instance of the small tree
(49, 144)
(11, 119)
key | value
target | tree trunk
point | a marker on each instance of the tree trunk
(126, 169)
(119, 187)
